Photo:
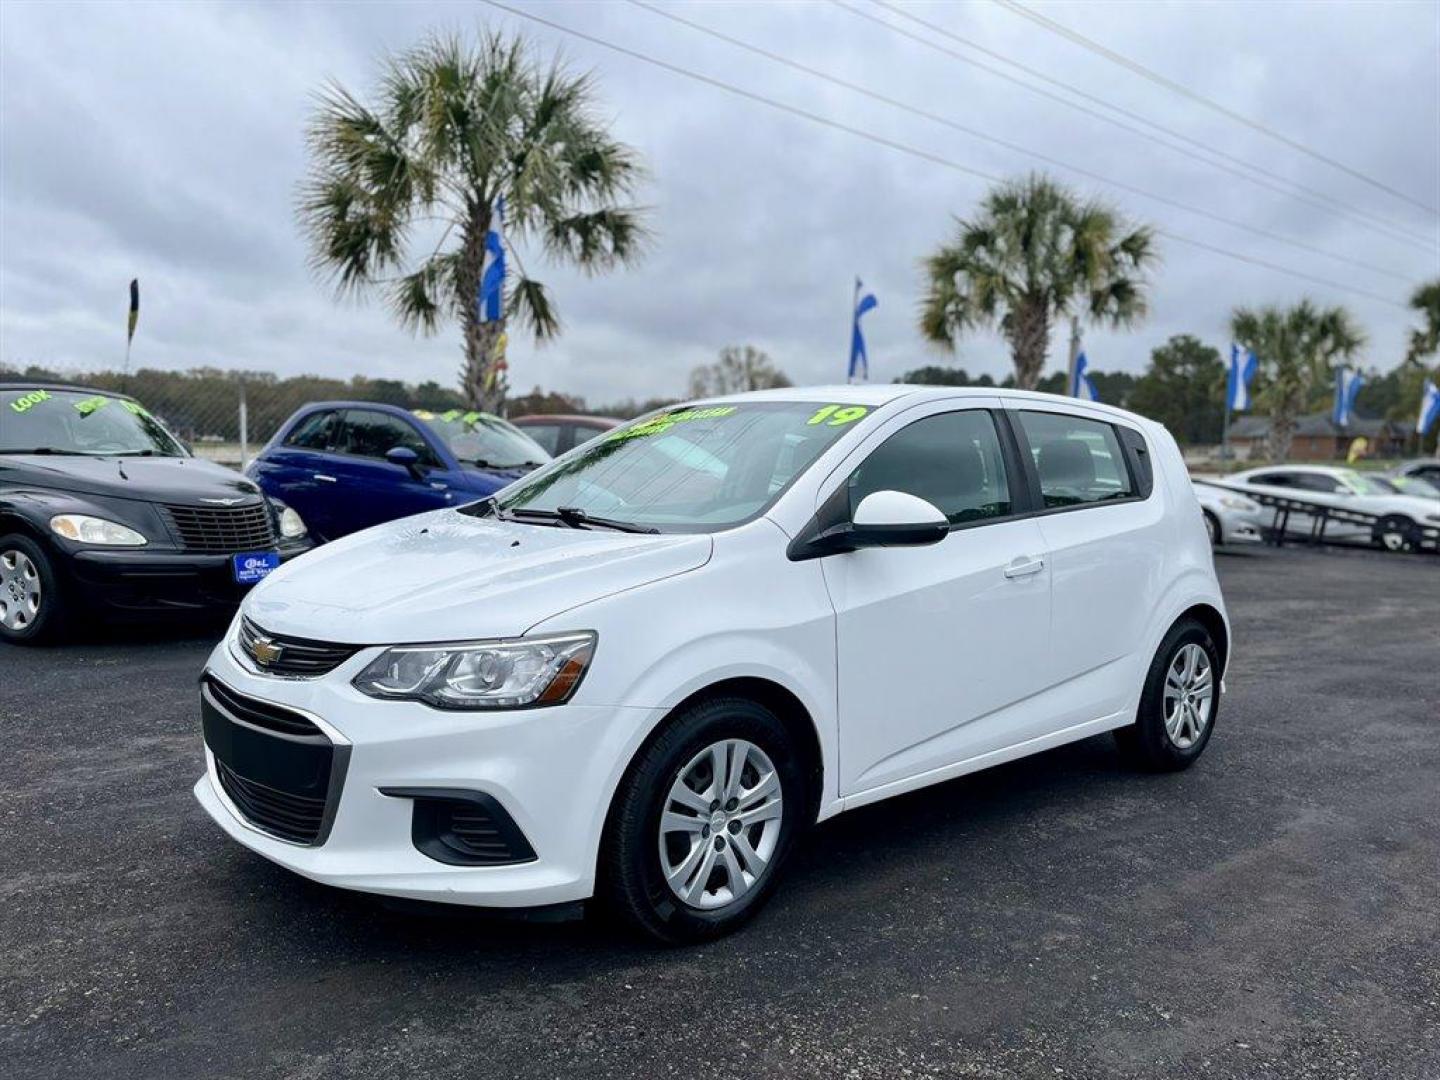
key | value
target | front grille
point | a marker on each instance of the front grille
(221, 530)
(261, 713)
(296, 658)
(290, 817)
(280, 771)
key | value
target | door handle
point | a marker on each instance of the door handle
(1024, 568)
(322, 476)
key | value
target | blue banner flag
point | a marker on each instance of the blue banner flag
(1347, 385)
(490, 299)
(1084, 386)
(859, 359)
(1429, 408)
(1243, 364)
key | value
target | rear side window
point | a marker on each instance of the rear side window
(1318, 482)
(547, 435)
(372, 434)
(1274, 479)
(315, 432)
(951, 460)
(1078, 460)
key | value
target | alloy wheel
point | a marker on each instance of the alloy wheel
(19, 590)
(1189, 695)
(720, 824)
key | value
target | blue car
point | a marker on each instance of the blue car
(347, 465)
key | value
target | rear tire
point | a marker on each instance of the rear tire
(32, 606)
(1179, 703)
(676, 838)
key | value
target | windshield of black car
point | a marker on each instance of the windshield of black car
(79, 422)
(478, 438)
(691, 469)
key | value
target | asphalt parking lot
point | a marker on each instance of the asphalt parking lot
(1273, 912)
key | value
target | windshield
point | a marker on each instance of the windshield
(478, 438)
(1369, 485)
(1413, 485)
(688, 469)
(79, 422)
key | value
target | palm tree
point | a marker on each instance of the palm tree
(1425, 340)
(401, 191)
(1297, 349)
(1034, 255)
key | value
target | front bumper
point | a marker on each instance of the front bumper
(552, 770)
(137, 581)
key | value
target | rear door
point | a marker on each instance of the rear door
(938, 647)
(298, 471)
(1105, 532)
(367, 488)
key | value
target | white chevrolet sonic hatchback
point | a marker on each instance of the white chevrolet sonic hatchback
(640, 672)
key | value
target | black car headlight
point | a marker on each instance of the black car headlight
(502, 674)
(84, 529)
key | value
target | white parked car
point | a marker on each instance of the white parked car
(639, 673)
(1399, 517)
(1230, 517)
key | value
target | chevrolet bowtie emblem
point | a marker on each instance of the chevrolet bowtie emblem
(265, 651)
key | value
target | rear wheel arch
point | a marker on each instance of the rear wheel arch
(1210, 618)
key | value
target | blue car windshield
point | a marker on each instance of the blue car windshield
(50, 421)
(477, 438)
(690, 469)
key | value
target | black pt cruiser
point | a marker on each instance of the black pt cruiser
(104, 513)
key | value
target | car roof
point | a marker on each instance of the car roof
(878, 394)
(74, 388)
(1323, 470)
(567, 418)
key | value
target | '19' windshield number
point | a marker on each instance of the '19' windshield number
(838, 416)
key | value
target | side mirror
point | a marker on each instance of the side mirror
(406, 458)
(895, 519)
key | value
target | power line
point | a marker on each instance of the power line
(1209, 155)
(1184, 91)
(893, 144)
(1015, 147)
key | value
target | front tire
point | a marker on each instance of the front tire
(31, 605)
(1395, 533)
(1179, 703)
(703, 822)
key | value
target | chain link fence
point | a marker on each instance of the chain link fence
(226, 416)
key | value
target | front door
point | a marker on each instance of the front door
(368, 488)
(939, 647)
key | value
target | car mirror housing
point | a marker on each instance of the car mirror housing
(883, 519)
(406, 459)
(897, 519)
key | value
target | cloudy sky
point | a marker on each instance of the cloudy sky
(164, 141)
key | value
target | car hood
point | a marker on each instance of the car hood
(448, 576)
(169, 480)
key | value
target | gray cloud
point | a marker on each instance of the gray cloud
(165, 141)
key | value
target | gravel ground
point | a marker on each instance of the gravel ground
(1273, 912)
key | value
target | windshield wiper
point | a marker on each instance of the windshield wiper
(575, 516)
(571, 517)
(51, 450)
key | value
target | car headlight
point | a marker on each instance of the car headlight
(292, 525)
(1233, 503)
(84, 529)
(503, 674)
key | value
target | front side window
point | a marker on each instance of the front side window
(373, 434)
(692, 469)
(1319, 482)
(49, 421)
(951, 460)
(547, 435)
(1078, 460)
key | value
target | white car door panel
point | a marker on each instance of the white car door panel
(937, 650)
(937, 646)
